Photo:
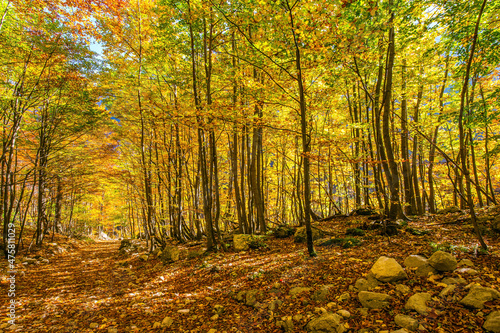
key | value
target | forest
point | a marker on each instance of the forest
(167, 119)
(190, 157)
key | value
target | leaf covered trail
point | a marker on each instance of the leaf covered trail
(92, 288)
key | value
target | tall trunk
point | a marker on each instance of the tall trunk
(405, 157)
(463, 150)
(305, 137)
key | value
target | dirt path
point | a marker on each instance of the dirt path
(72, 291)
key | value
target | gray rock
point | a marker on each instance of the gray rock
(241, 242)
(363, 311)
(373, 300)
(415, 261)
(298, 290)
(447, 290)
(388, 270)
(418, 302)
(275, 304)
(466, 270)
(492, 322)
(326, 323)
(286, 324)
(344, 297)
(478, 295)
(300, 234)
(402, 289)
(167, 322)
(344, 313)
(367, 284)
(406, 322)
(425, 270)
(169, 254)
(321, 294)
(465, 262)
(443, 261)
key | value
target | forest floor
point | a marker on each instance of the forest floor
(91, 287)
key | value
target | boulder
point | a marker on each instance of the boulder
(466, 262)
(450, 280)
(169, 254)
(406, 322)
(241, 242)
(167, 322)
(415, 261)
(300, 234)
(492, 322)
(283, 231)
(447, 290)
(477, 296)
(443, 261)
(373, 300)
(298, 290)
(495, 224)
(418, 302)
(402, 289)
(321, 294)
(449, 210)
(367, 284)
(425, 270)
(327, 323)
(388, 270)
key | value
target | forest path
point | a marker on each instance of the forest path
(75, 289)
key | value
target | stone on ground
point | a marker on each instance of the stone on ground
(367, 284)
(406, 322)
(327, 323)
(443, 261)
(466, 262)
(425, 270)
(241, 242)
(298, 290)
(252, 296)
(167, 322)
(477, 296)
(321, 294)
(373, 300)
(401, 288)
(300, 234)
(492, 322)
(418, 302)
(415, 261)
(447, 290)
(388, 270)
(169, 254)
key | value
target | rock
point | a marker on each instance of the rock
(283, 231)
(388, 270)
(466, 270)
(112, 330)
(447, 290)
(402, 330)
(298, 290)
(418, 302)
(492, 322)
(402, 289)
(156, 325)
(478, 295)
(466, 262)
(415, 261)
(183, 311)
(344, 313)
(406, 322)
(425, 270)
(167, 322)
(326, 323)
(252, 296)
(363, 311)
(321, 294)
(443, 261)
(212, 330)
(373, 300)
(453, 281)
(449, 210)
(94, 325)
(241, 242)
(367, 284)
(215, 317)
(169, 254)
(300, 234)
(297, 317)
